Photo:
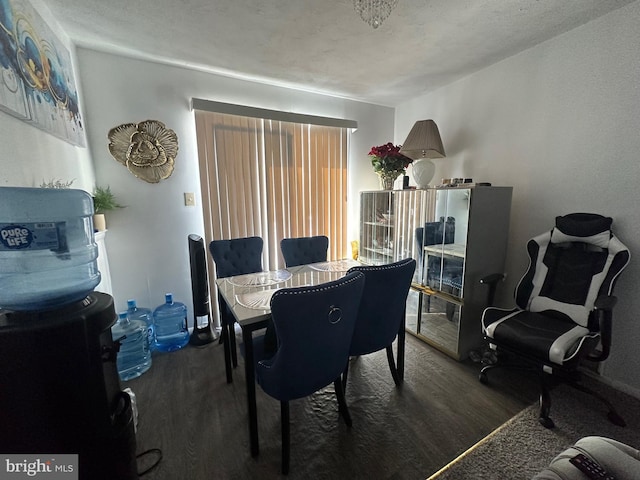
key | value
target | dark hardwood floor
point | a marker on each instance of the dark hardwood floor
(187, 410)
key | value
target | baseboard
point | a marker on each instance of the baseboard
(623, 387)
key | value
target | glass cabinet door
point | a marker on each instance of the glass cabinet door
(410, 214)
(439, 321)
(443, 263)
(391, 225)
(377, 228)
(445, 242)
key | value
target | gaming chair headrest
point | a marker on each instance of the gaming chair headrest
(588, 228)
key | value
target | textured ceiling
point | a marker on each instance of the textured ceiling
(323, 45)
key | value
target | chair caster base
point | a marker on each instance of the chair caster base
(546, 422)
(616, 419)
(483, 378)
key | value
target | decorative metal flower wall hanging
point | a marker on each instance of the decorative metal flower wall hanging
(148, 149)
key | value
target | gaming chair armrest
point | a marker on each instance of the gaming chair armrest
(606, 302)
(604, 310)
(492, 280)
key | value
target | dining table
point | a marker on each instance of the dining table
(248, 297)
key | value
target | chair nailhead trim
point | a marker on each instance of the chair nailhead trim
(319, 289)
(368, 268)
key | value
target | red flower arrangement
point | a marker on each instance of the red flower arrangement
(387, 160)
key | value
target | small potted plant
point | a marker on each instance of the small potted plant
(55, 183)
(103, 201)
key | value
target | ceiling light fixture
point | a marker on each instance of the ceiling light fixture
(374, 12)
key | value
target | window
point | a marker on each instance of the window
(273, 179)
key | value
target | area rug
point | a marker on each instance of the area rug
(522, 447)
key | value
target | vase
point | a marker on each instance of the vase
(387, 180)
(423, 170)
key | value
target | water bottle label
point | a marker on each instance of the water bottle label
(30, 236)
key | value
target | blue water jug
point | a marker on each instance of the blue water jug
(134, 356)
(170, 325)
(134, 312)
(47, 249)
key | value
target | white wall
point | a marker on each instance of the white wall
(147, 240)
(559, 123)
(31, 156)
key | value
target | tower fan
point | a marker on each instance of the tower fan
(202, 326)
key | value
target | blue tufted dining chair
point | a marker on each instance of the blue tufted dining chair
(304, 250)
(237, 256)
(314, 326)
(381, 315)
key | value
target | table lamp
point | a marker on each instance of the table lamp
(422, 144)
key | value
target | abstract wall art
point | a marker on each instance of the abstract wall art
(36, 74)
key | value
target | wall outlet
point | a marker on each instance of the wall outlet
(189, 199)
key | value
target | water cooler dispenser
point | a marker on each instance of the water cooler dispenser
(60, 391)
(59, 386)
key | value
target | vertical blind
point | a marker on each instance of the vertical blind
(272, 179)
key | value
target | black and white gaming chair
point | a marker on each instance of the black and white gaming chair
(564, 305)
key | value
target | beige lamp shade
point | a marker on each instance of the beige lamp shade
(423, 141)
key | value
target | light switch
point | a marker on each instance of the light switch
(189, 199)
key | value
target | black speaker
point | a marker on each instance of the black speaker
(202, 325)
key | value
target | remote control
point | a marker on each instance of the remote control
(590, 468)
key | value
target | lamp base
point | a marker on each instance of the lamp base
(423, 170)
